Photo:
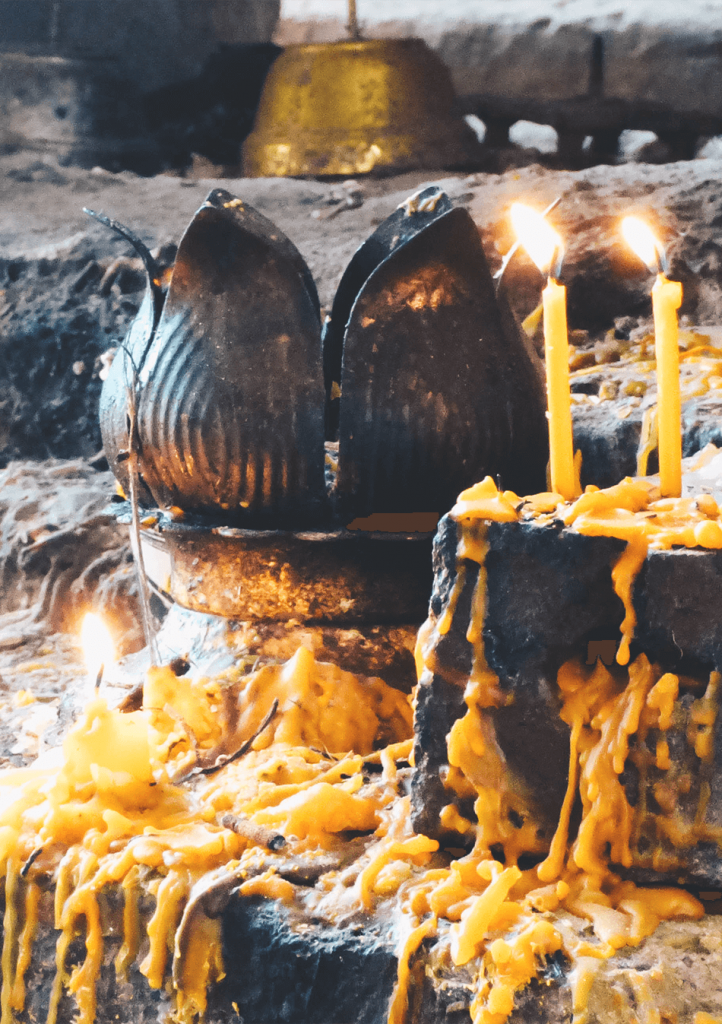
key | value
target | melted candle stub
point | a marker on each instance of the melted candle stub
(98, 647)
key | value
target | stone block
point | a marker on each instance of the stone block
(317, 975)
(42, 101)
(609, 443)
(537, 61)
(549, 592)
(676, 66)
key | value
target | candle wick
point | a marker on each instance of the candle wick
(662, 260)
(556, 270)
(99, 677)
(512, 252)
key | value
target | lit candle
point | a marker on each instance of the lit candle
(545, 248)
(98, 648)
(666, 300)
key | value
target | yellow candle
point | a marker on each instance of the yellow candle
(556, 354)
(666, 300)
(543, 244)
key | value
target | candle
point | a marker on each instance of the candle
(666, 300)
(544, 247)
(556, 350)
(98, 648)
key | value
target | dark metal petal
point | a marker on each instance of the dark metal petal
(116, 395)
(231, 394)
(438, 388)
(401, 226)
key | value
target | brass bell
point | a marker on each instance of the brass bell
(357, 106)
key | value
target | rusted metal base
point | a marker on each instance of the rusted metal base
(339, 576)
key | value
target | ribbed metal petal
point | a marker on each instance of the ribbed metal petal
(231, 391)
(428, 204)
(438, 389)
(116, 395)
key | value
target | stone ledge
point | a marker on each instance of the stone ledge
(647, 60)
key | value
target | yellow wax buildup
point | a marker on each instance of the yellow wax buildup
(322, 808)
(109, 742)
(323, 795)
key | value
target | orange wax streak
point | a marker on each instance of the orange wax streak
(556, 350)
(666, 300)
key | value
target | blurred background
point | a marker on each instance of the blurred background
(173, 85)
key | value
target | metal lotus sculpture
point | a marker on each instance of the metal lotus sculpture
(229, 396)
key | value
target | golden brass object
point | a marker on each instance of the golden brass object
(355, 107)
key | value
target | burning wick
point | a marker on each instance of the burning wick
(98, 648)
(666, 300)
(512, 252)
(546, 249)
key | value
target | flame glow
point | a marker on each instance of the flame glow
(538, 237)
(640, 238)
(98, 647)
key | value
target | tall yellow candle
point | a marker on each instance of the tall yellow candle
(543, 243)
(556, 354)
(666, 300)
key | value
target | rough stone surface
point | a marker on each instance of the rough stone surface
(549, 594)
(607, 429)
(316, 975)
(59, 553)
(56, 327)
(549, 590)
(678, 982)
(121, 84)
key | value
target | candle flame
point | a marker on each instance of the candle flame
(98, 647)
(641, 239)
(537, 236)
